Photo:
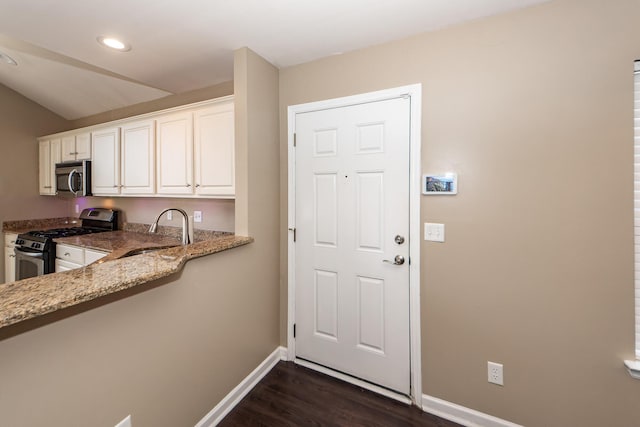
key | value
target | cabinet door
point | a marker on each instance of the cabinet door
(91, 256)
(68, 148)
(83, 146)
(9, 264)
(49, 153)
(214, 150)
(174, 164)
(69, 253)
(44, 167)
(56, 157)
(62, 265)
(138, 161)
(105, 167)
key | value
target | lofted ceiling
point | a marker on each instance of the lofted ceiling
(178, 46)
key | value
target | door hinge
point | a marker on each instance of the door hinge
(294, 330)
(294, 139)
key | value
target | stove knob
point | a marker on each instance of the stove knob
(33, 245)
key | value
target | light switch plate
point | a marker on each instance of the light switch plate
(433, 232)
(125, 423)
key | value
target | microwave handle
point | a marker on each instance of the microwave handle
(70, 182)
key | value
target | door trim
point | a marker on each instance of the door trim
(414, 92)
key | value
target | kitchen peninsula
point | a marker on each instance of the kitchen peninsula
(34, 297)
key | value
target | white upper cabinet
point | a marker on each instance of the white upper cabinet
(48, 155)
(105, 167)
(174, 145)
(186, 151)
(214, 159)
(138, 160)
(76, 147)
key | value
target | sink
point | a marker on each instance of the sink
(143, 251)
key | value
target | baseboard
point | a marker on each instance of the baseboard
(240, 391)
(462, 415)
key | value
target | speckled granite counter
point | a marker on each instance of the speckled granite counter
(23, 226)
(119, 243)
(30, 298)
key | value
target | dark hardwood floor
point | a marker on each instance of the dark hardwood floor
(292, 395)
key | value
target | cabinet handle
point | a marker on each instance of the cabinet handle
(12, 256)
(47, 186)
(67, 254)
(197, 185)
(188, 185)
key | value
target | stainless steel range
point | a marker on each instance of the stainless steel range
(36, 250)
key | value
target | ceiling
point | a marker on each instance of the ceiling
(178, 46)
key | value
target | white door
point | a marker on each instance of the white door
(174, 135)
(213, 142)
(138, 161)
(352, 221)
(83, 146)
(44, 156)
(105, 168)
(68, 148)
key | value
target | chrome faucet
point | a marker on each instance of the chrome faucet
(185, 224)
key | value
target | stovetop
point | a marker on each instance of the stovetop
(64, 232)
(94, 220)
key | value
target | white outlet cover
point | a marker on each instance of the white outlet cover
(495, 373)
(197, 216)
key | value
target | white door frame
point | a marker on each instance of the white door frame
(415, 94)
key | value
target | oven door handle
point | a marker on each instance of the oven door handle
(70, 182)
(28, 252)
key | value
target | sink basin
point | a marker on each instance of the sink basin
(143, 251)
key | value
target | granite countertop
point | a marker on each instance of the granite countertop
(135, 236)
(119, 243)
(30, 298)
(23, 226)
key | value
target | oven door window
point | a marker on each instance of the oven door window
(28, 264)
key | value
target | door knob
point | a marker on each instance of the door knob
(398, 260)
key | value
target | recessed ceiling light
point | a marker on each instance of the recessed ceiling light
(6, 58)
(114, 43)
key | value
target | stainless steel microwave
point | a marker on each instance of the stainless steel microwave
(73, 179)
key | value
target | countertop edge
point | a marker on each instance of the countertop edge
(31, 298)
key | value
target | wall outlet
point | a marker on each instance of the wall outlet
(125, 423)
(77, 208)
(494, 371)
(197, 216)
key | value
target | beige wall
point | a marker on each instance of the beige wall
(169, 351)
(210, 92)
(21, 121)
(533, 110)
(217, 214)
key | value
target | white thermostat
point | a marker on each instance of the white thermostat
(440, 184)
